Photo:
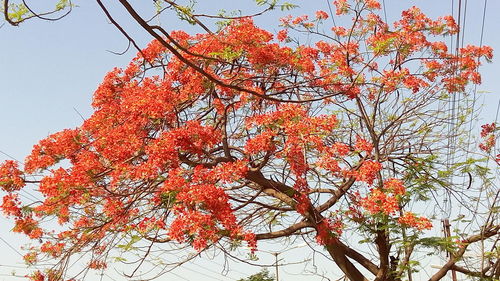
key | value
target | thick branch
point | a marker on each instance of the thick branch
(336, 195)
(284, 232)
(383, 247)
(358, 257)
(336, 251)
(485, 234)
(340, 258)
(273, 188)
(469, 272)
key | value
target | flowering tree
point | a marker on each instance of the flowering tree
(240, 135)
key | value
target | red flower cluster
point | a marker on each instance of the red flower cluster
(363, 145)
(97, 264)
(378, 202)
(409, 219)
(328, 230)
(368, 171)
(487, 129)
(488, 134)
(321, 15)
(10, 176)
(386, 200)
(395, 186)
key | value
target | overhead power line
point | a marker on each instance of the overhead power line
(10, 246)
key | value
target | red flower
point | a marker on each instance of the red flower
(10, 176)
(282, 35)
(363, 145)
(487, 129)
(409, 219)
(379, 202)
(321, 15)
(368, 171)
(395, 186)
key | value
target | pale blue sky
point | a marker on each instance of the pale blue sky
(49, 70)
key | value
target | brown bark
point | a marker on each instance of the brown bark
(486, 233)
(340, 257)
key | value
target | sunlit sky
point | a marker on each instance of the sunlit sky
(49, 70)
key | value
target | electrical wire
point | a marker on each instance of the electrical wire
(385, 11)
(10, 246)
(331, 12)
(475, 86)
(463, 23)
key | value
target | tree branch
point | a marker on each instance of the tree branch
(215, 80)
(284, 232)
(486, 233)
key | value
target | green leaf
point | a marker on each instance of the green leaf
(288, 6)
(130, 245)
(261, 276)
(119, 259)
(260, 2)
(62, 4)
(17, 12)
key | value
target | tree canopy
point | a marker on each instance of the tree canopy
(230, 137)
